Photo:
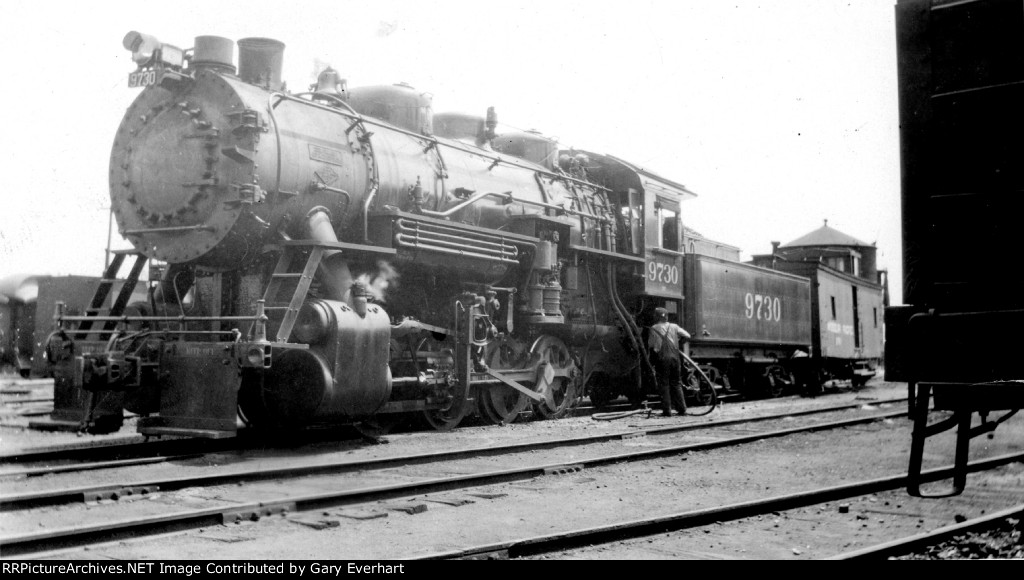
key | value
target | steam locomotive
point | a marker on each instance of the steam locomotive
(345, 256)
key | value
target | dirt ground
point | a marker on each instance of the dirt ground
(624, 491)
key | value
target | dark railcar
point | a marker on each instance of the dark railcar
(747, 322)
(961, 85)
(27, 316)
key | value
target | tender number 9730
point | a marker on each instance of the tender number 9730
(763, 307)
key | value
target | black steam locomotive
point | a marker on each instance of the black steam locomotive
(345, 256)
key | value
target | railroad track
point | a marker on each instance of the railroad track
(1000, 524)
(105, 454)
(348, 484)
(191, 449)
(142, 451)
(561, 544)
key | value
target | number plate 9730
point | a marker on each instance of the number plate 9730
(142, 78)
(664, 276)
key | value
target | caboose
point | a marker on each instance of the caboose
(848, 299)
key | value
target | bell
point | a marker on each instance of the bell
(327, 82)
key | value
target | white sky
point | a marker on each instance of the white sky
(777, 113)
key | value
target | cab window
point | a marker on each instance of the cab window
(668, 225)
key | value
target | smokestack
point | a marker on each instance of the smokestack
(214, 52)
(260, 61)
(775, 247)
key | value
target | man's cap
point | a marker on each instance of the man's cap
(661, 312)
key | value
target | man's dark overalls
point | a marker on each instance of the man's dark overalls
(667, 365)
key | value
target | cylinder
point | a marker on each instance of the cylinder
(313, 323)
(214, 52)
(260, 62)
(295, 387)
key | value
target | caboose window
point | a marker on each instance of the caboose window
(833, 307)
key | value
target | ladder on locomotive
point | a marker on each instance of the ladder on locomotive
(85, 328)
(281, 310)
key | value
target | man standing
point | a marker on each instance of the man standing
(663, 342)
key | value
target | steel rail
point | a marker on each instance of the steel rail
(910, 543)
(537, 545)
(22, 544)
(36, 471)
(126, 450)
(67, 495)
(171, 447)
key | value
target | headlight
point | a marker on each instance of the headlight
(142, 46)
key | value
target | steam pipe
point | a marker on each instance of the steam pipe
(630, 326)
(335, 275)
(453, 252)
(505, 252)
(440, 237)
(509, 198)
(366, 207)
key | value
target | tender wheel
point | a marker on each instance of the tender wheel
(776, 380)
(559, 381)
